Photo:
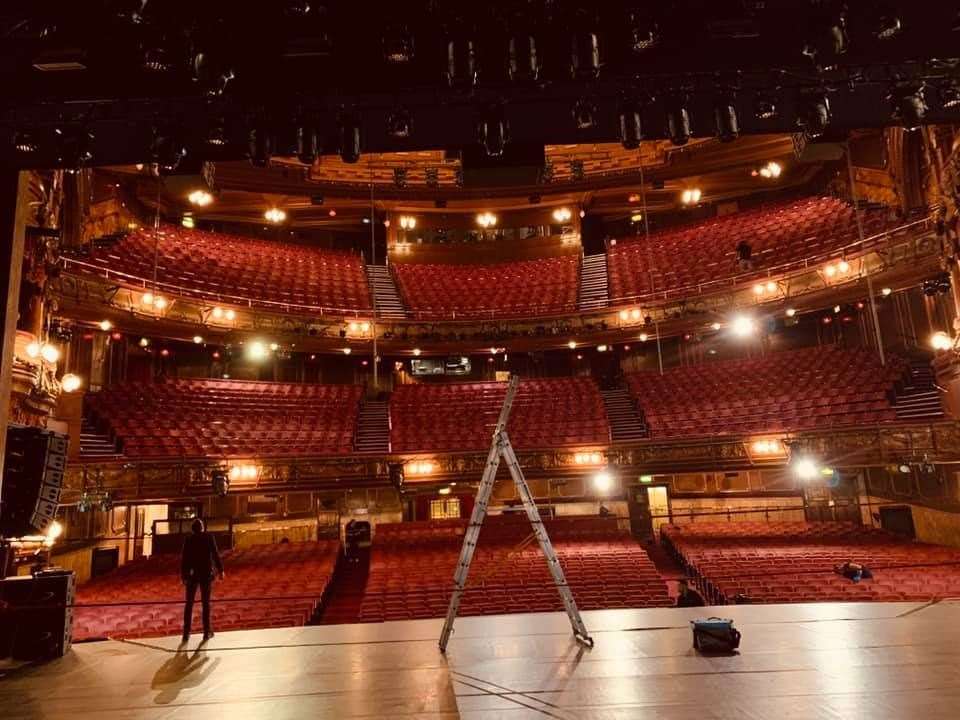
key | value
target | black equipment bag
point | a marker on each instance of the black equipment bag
(715, 635)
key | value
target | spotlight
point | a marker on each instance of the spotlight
(631, 129)
(572, 345)
(950, 94)
(220, 482)
(562, 215)
(257, 350)
(416, 352)
(725, 116)
(815, 116)
(678, 122)
(143, 342)
(307, 144)
(197, 339)
(349, 140)
(70, 382)
(691, 196)
(743, 326)
(716, 326)
(398, 44)
(486, 219)
(347, 351)
(200, 198)
(49, 353)
(260, 146)
(806, 468)
(585, 56)
(492, 131)
(909, 108)
(791, 312)
(829, 41)
(461, 63)
(105, 325)
(887, 26)
(941, 341)
(275, 215)
(886, 292)
(585, 114)
(771, 170)
(643, 337)
(522, 62)
(400, 124)
(33, 349)
(603, 482)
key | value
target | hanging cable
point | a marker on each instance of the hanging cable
(646, 233)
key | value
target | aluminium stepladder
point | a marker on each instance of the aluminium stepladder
(500, 447)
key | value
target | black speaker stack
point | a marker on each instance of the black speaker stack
(32, 480)
(36, 615)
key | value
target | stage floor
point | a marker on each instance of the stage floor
(841, 661)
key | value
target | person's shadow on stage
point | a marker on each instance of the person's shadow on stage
(185, 670)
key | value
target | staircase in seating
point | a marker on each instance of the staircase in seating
(373, 427)
(919, 399)
(345, 595)
(94, 443)
(594, 290)
(625, 420)
(387, 299)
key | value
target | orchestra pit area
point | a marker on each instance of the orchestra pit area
(525, 360)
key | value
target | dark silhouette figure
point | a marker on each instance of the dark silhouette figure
(199, 561)
(744, 253)
(689, 597)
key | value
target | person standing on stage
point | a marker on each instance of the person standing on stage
(199, 562)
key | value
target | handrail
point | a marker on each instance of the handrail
(530, 312)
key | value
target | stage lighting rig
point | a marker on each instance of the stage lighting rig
(260, 144)
(350, 138)
(765, 106)
(493, 130)
(523, 63)
(909, 107)
(399, 123)
(585, 55)
(631, 127)
(815, 115)
(585, 114)
(461, 63)
(73, 146)
(828, 37)
(678, 119)
(307, 144)
(398, 43)
(725, 116)
(949, 93)
(644, 31)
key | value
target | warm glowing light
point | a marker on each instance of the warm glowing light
(217, 313)
(144, 342)
(643, 337)
(941, 341)
(353, 327)
(444, 491)
(274, 347)
(275, 215)
(806, 469)
(200, 198)
(257, 350)
(147, 299)
(843, 266)
(830, 271)
(836, 309)
(419, 467)
(486, 219)
(230, 314)
(771, 170)
(164, 353)
(691, 196)
(603, 481)
(53, 532)
(347, 351)
(187, 222)
(743, 326)
(364, 327)
(887, 291)
(791, 312)
(587, 458)
(70, 382)
(416, 352)
(572, 344)
(408, 222)
(716, 326)
(636, 217)
(758, 289)
(106, 325)
(49, 353)
(562, 214)
(624, 314)
(493, 351)
(33, 349)
(635, 314)
(601, 348)
(197, 339)
(771, 286)
(159, 302)
(767, 447)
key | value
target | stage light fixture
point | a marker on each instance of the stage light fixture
(105, 325)
(584, 114)
(486, 220)
(603, 482)
(523, 63)
(791, 312)
(307, 144)
(886, 292)
(257, 350)
(400, 124)
(400, 178)
(572, 345)
(33, 349)
(764, 106)
(197, 339)
(743, 326)
(815, 116)
(691, 196)
(398, 43)
(644, 31)
(631, 127)
(275, 215)
(909, 108)
(678, 121)
(143, 342)
(725, 117)
(416, 352)
(585, 55)
(461, 63)
(260, 144)
(350, 139)
(562, 215)
(493, 131)
(200, 198)
(950, 94)
(941, 341)
(70, 382)
(805, 468)
(829, 40)
(887, 25)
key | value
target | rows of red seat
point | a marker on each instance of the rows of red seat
(412, 566)
(547, 412)
(228, 418)
(265, 586)
(704, 252)
(801, 389)
(222, 264)
(524, 288)
(794, 562)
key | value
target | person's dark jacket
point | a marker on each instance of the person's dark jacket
(200, 557)
(690, 598)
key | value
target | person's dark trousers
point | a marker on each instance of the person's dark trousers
(192, 585)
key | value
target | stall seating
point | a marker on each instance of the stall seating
(227, 418)
(265, 586)
(794, 562)
(690, 255)
(412, 566)
(523, 288)
(547, 412)
(223, 265)
(804, 389)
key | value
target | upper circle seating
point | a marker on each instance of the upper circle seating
(236, 268)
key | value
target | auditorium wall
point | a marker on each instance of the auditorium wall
(940, 527)
(741, 509)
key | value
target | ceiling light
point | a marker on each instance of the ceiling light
(33, 349)
(49, 353)
(791, 312)
(197, 339)
(200, 198)
(805, 468)
(70, 382)
(416, 352)
(105, 325)
(572, 344)
(275, 215)
(603, 481)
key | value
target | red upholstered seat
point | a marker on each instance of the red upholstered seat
(547, 412)
(224, 418)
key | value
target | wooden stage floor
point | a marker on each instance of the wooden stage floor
(836, 661)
